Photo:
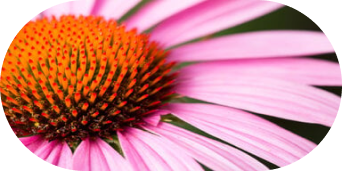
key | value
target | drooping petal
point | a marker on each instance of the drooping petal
(32, 143)
(246, 131)
(213, 154)
(156, 11)
(65, 159)
(209, 17)
(113, 9)
(134, 159)
(150, 158)
(153, 148)
(92, 155)
(45, 149)
(78, 7)
(260, 44)
(268, 96)
(54, 152)
(61, 156)
(297, 70)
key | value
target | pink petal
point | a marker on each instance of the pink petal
(45, 149)
(61, 156)
(82, 7)
(152, 159)
(209, 17)
(32, 143)
(213, 154)
(113, 9)
(78, 7)
(65, 158)
(264, 95)
(54, 152)
(246, 131)
(156, 11)
(154, 118)
(36, 17)
(133, 157)
(58, 10)
(164, 150)
(297, 70)
(92, 155)
(260, 44)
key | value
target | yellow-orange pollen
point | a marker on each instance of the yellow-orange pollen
(76, 77)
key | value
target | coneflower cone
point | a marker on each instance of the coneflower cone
(72, 78)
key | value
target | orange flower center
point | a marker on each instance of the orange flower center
(72, 78)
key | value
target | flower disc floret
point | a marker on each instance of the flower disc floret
(70, 78)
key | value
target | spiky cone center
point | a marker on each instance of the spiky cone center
(76, 77)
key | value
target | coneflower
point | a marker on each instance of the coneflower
(76, 77)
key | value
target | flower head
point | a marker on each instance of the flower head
(80, 77)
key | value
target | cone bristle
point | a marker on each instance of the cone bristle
(77, 77)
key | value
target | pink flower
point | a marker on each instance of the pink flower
(263, 72)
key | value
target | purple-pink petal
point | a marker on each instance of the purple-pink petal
(297, 70)
(65, 157)
(268, 96)
(250, 76)
(151, 159)
(246, 131)
(260, 44)
(36, 17)
(93, 155)
(32, 143)
(113, 9)
(168, 154)
(154, 119)
(156, 11)
(54, 152)
(82, 7)
(45, 149)
(60, 155)
(131, 155)
(78, 7)
(209, 17)
(213, 154)
(58, 10)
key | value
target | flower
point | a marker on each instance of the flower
(74, 77)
